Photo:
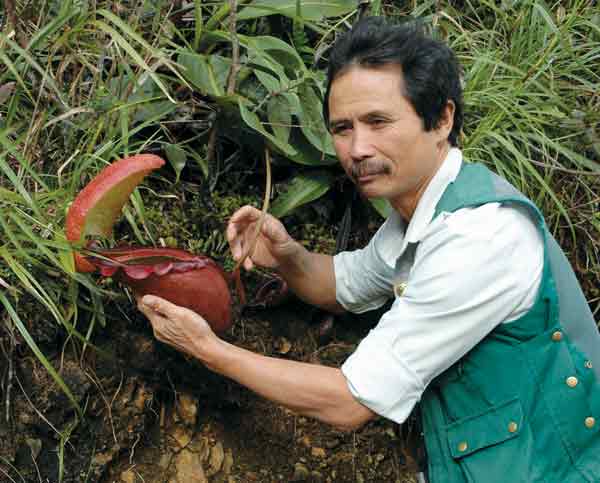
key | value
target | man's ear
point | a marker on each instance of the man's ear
(446, 121)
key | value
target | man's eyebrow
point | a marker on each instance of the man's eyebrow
(338, 122)
(376, 113)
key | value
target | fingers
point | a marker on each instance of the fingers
(241, 219)
(246, 214)
(238, 223)
(157, 321)
(161, 306)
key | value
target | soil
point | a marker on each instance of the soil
(154, 416)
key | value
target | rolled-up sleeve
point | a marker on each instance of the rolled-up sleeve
(364, 278)
(360, 284)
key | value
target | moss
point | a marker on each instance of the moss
(192, 221)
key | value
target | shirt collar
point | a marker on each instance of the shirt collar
(423, 214)
(395, 230)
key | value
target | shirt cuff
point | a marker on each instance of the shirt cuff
(379, 380)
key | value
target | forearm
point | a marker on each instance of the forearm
(311, 277)
(312, 390)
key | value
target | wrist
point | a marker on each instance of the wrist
(209, 351)
(290, 259)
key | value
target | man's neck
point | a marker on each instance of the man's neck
(407, 205)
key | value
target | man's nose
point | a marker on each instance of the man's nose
(362, 146)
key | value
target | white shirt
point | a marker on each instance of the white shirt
(465, 273)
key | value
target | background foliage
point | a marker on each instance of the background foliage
(83, 83)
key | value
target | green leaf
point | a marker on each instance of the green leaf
(311, 119)
(207, 73)
(279, 52)
(270, 82)
(306, 153)
(382, 206)
(279, 112)
(311, 9)
(302, 189)
(133, 53)
(200, 161)
(254, 122)
(177, 157)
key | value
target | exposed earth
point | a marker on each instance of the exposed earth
(153, 416)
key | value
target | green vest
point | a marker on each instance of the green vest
(523, 406)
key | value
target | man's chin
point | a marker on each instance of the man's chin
(369, 192)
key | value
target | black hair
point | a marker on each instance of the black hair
(431, 72)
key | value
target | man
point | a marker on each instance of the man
(488, 329)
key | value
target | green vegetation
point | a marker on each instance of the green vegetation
(208, 87)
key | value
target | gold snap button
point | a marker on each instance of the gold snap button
(557, 336)
(590, 422)
(462, 447)
(399, 289)
(512, 427)
(588, 364)
(572, 381)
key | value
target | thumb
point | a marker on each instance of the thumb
(160, 305)
(274, 230)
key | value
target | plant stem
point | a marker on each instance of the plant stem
(257, 229)
(235, 48)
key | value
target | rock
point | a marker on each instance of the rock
(187, 408)
(317, 452)
(128, 476)
(189, 468)
(102, 459)
(143, 397)
(165, 460)
(35, 445)
(181, 435)
(316, 476)
(332, 443)
(284, 345)
(126, 394)
(215, 462)
(200, 445)
(301, 473)
(228, 462)
(25, 418)
(305, 440)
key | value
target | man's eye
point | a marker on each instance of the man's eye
(378, 122)
(341, 129)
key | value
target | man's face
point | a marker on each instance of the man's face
(379, 138)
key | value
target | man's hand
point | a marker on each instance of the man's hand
(310, 389)
(177, 326)
(273, 246)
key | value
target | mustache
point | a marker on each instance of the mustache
(366, 168)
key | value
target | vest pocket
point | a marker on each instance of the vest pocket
(497, 424)
(493, 446)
